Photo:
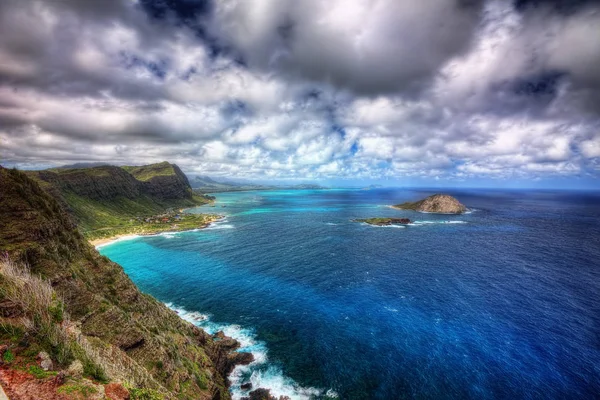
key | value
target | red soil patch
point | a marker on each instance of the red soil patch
(116, 391)
(20, 385)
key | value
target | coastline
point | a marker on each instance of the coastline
(97, 243)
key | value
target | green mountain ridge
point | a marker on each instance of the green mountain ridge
(105, 199)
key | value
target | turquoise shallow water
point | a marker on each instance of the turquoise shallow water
(503, 302)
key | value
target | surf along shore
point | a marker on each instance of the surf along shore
(154, 226)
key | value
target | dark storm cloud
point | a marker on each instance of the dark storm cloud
(560, 6)
(369, 48)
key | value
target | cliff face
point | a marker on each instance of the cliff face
(97, 183)
(160, 182)
(168, 187)
(131, 336)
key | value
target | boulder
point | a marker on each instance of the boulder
(261, 394)
(46, 365)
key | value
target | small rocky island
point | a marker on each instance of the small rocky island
(438, 203)
(384, 221)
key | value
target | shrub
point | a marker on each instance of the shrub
(8, 356)
(144, 394)
(44, 312)
(43, 309)
(78, 390)
(38, 372)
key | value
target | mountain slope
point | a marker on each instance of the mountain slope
(128, 336)
(106, 196)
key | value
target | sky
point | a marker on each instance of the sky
(494, 93)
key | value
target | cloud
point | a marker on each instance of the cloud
(361, 46)
(386, 90)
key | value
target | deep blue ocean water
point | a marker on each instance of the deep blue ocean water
(500, 303)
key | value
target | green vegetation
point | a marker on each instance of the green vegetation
(108, 201)
(155, 225)
(78, 390)
(39, 373)
(8, 356)
(144, 394)
(95, 171)
(124, 216)
(42, 317)
(147, 172)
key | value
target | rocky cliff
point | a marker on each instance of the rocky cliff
(97, 183)
(438, 203)
(121, 334)
(162, 181)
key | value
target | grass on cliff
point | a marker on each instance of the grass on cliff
(147, 172)
(38, 322)
(93, 171)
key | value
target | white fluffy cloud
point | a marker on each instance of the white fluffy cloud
(460, 89)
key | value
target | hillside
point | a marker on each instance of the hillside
(105, 199)
(85, 310)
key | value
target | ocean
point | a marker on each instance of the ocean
(500, 303)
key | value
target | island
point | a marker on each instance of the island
(437, 203)
(384, 221)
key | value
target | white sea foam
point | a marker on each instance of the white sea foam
(437, 222)
(331, 223)
(259, 372)
(220, 224)
(224, 226)
(167, 235)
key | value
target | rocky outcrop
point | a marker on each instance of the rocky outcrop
(228, 346)
(438, 203)
(384, 221)
(263, 394)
